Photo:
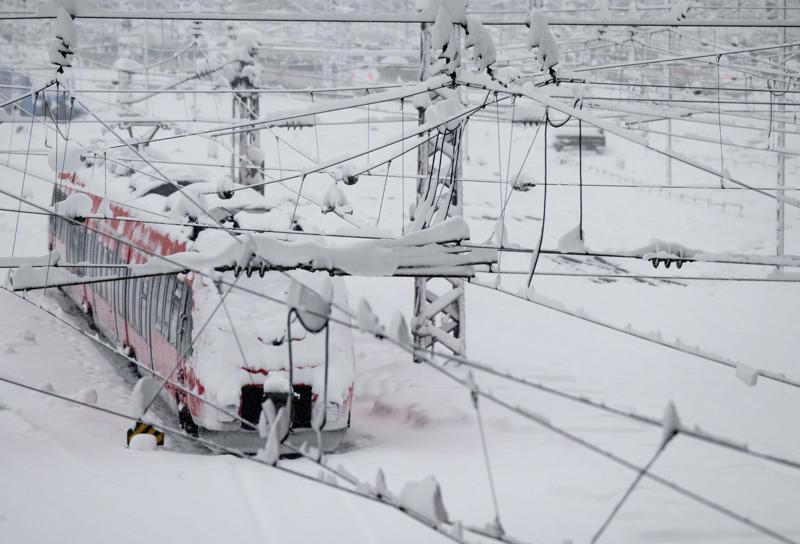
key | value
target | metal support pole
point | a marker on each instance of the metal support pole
(439, 306)
(245, 167)
(669, 121)
(781, 144)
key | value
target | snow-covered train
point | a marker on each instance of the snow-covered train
(229, 344)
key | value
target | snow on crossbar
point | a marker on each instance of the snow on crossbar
(433, 252)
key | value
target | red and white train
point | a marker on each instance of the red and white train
(229, 345)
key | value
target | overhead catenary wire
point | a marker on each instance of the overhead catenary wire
(233, 285)
(765, 374)
(241, 455)
(553, 428)
(654, 339)
(580, 441)
(386, 178)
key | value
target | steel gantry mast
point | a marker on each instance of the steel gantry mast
(439, 305)
(247, 161)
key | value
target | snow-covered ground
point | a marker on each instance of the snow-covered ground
(66, 475)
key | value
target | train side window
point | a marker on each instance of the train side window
(155, 287)
(82, 247)
(135, 296)
(143, 301)
(186, 323)
(105, 286)
(158, 300)
(112, 289)
(128, 305)
(165, 311)
(119, 296)
(92, 259)
(67, 246)
(174, 315)
(122, 286)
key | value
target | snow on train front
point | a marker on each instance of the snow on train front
(242, 358)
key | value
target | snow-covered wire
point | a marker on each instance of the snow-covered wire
(654, 339)
(34, 92)
(440, 529)
(547, 424)
(24, 176)
(628, 135)
(537, 252)
(609, 455)
(628, 491)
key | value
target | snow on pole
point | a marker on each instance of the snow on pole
(61, 46)
(478, 38)
(542, 40)
(243, 74)
(380, 484)
(335, 200)
(571, 241)
(439, 189)
(425, 499)
(747, 374)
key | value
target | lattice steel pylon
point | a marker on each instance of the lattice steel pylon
(247, 161)
(439, 304)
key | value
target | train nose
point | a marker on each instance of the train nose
(253, 397)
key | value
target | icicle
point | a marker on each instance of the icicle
(380, 484)
(670, 424)
(398, 330)
(367, 320)
(267, 418)
(271, 452)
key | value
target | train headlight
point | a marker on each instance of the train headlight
(332, 411)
